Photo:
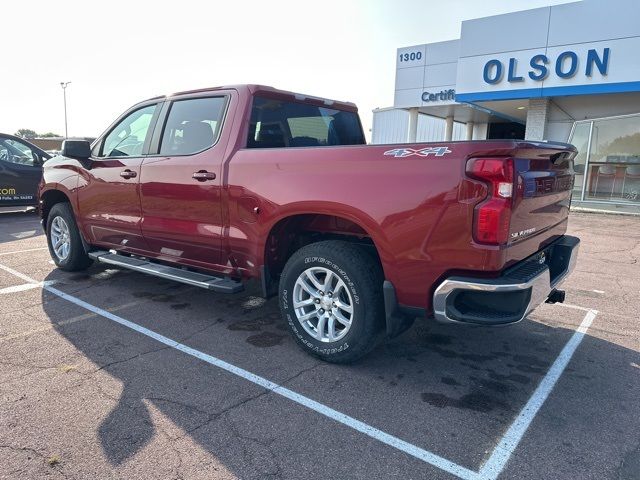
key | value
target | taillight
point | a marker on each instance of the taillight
(493, 216)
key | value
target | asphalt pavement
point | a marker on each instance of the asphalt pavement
(113, 374)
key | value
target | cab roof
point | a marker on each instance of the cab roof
(253, 89)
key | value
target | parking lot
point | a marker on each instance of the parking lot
(112, 374)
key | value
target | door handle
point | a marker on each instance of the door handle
(203, 175)
(128, 174)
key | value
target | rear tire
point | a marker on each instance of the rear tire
(331, 299)
(64, 241)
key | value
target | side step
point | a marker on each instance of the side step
(217, 284)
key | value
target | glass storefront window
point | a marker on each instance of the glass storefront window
(580, 140)
(608, 165)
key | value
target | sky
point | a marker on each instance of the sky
(116, 53)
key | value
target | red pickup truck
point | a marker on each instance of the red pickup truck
(218, 186)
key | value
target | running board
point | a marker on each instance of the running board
(217, 284)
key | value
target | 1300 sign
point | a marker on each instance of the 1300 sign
(410, 57)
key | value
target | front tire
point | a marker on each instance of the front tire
(64, 241)
(331, 299)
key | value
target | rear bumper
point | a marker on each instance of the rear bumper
(510, 297)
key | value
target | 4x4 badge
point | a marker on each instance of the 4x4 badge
(423, 152)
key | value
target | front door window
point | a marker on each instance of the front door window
(17, 152)
(127, 138)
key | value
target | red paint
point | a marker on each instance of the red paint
(418, 211)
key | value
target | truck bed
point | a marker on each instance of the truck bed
(414, 200)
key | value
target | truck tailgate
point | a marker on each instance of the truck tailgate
(543, 182)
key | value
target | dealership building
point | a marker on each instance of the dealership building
(568, 73)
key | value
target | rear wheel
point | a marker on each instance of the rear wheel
(331, 298)
(64, 241)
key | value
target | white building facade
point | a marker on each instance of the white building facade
(568, 73)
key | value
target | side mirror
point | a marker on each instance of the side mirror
(80, 149)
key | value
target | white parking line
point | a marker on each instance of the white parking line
(575, 307)
(18, 274)
(23, 251)
(63, 323)
(489, 471)
(23, 235)
(24, 287)
(500, 456)
(362, 427)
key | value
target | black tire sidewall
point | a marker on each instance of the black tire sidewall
(77, 258)
(356, 342)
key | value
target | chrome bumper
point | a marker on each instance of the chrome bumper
(531, 275)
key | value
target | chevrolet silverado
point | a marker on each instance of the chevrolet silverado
(218, 186)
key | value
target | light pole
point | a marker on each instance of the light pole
(64, 96)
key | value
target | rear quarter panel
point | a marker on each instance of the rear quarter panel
(417, 210)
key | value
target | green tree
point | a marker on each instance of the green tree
(49, 135)
(625, 145)
(26, 133)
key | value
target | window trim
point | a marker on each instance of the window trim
(611, 117)
(145, 146)
(591, 122)
(156, 142)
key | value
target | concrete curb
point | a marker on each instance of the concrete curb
(607, 212)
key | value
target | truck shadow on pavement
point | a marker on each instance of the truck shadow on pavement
(450, 389)
(18, 226)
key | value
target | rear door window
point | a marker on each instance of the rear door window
(277, 124)
(193, 125)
